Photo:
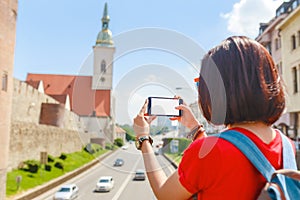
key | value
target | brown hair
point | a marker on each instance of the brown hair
(240, 83)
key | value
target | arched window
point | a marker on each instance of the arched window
(103, 66)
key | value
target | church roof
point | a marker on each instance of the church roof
(34, 84)
(83, 100)
(62, 98)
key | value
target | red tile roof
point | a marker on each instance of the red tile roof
(83, 99)
(34, 84)
(59, 97)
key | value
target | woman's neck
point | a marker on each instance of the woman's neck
(265, 132)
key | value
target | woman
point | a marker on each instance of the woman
(239, 87)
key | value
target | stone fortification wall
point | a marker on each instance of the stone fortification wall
(27, 104)
(27, 140)
(27, 101)
(28, 137)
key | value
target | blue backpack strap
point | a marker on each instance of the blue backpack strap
(250, 150)
(289, 162)
(290, 187)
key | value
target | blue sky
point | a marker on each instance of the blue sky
(56, 37)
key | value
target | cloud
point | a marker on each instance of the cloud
(245, 16)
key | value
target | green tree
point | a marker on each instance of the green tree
(119, 142)
(129, 132)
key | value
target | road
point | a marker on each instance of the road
(125, 187)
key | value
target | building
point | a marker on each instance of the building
(271, 36)
(90, 97)
(289, 31)
(8, 15)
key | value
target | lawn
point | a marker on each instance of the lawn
(67, 163)
(175, 157)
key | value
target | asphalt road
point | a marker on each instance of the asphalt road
(125, 187)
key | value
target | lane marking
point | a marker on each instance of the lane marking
(118, 194)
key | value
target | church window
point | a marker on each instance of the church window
(103, 66)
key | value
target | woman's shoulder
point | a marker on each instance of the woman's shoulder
(211, 145)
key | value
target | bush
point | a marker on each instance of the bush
(109, 146)
(48, 168)
(59, 165)
(92, 148)
(32, 166)
(119, 142)
(50, 158)
(63, 156)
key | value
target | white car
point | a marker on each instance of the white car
(139, 175)
(66, 192)
(105, 184)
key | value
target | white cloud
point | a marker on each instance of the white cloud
(245, 16)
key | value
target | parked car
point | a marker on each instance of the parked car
(119, 162)
(66, 192)
(105, 184)
(140, 175)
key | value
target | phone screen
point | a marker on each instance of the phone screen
(162, 106)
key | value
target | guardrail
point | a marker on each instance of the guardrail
(171, 161)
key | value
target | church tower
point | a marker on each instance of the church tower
(103, 56)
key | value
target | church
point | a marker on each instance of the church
(90, 97)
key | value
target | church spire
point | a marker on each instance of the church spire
(105, 18)
(104, 37)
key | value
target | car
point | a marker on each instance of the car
(104, 184)
(157, 152)
(139, 175)
(66, 192)
(125, 147)
(119, 162)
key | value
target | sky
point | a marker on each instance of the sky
(159, 44)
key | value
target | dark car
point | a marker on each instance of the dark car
(119, 162)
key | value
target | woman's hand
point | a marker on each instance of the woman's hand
(187, 119)
(141, 122)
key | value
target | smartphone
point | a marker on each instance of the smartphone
(164, 106)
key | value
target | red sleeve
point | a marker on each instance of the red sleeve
(200, 165)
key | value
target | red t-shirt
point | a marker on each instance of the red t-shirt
(215, 169)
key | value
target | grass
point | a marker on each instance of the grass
(30, 180)
(175, 157)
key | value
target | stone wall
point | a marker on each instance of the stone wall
(27, 106)
(27, 102)
(27, 140)
(28, 137)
